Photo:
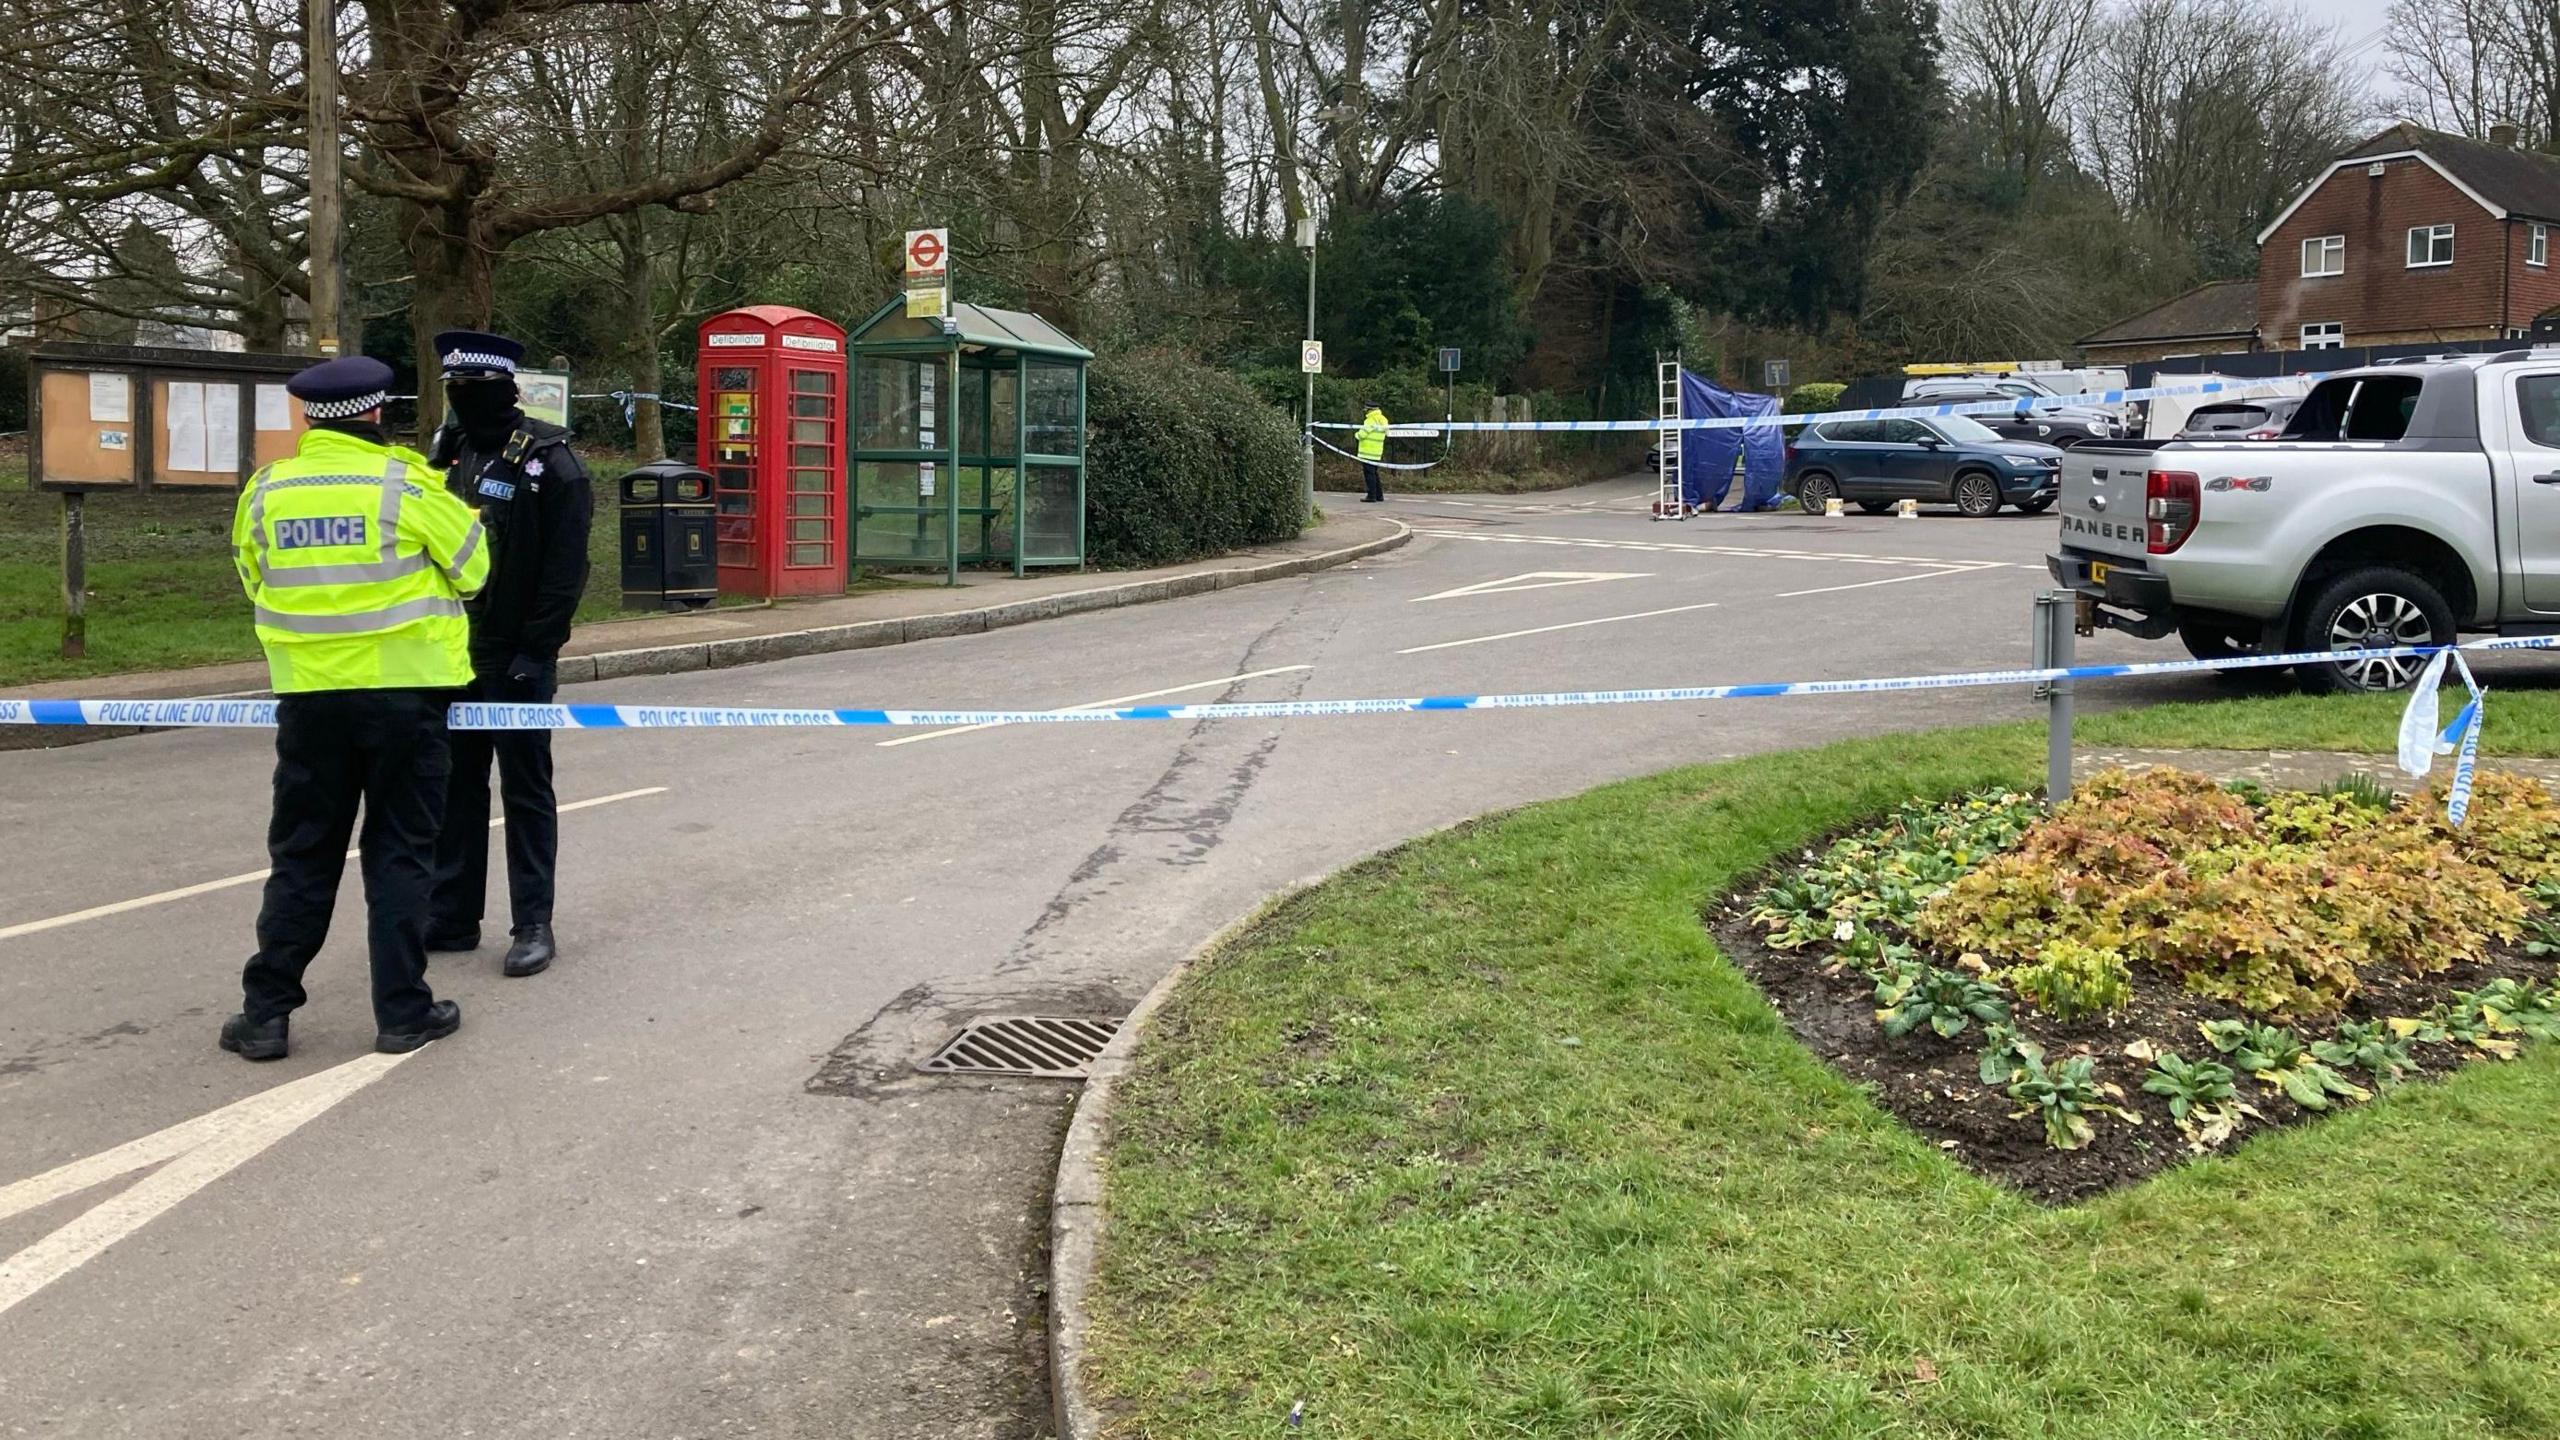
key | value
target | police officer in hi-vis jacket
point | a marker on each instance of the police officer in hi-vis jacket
(356, 563)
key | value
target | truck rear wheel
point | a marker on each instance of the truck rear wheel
(2370, 609)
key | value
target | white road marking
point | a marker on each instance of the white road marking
(1104, 704)
(198, 1152)
(207, 887)
(1851, 557)
(1568, 625)
(1534, 580)
(1888, 580)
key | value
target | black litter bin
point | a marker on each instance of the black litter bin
(668, 561)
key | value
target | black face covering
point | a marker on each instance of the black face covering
(486, 408)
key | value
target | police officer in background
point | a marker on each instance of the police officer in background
(535, 498)
(356, 564)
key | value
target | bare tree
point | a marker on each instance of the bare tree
(2017, 61)
(2466, 65)
(2206, 116)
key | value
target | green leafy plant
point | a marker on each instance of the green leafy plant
(2542, 935)
(2065, 1097)
(2201, 1098)
(2369, 1046)
(2278, 1058)
(1945, 1001)
(2362, 790)
(2006, 1054)
(2072, 981)
(1882, 877)
(2527, 1006)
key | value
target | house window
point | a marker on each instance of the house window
(2430, 245)
(2324, 255)
(2537, 244)
(2324, 335)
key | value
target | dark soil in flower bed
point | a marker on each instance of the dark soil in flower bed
(1934, 1085)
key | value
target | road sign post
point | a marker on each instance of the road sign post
(928, 257)
(1774, 375)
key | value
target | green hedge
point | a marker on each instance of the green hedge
(1404, 394)
(1184, 461)
(1814, 396)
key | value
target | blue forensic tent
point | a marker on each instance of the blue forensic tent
(1706, 456)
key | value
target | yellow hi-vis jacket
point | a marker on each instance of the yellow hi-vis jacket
(357, 559)
(1373, 435)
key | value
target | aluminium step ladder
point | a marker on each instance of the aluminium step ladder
(1666, 500)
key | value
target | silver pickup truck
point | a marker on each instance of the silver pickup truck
(2403, 504)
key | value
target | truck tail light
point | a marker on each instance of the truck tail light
(2173, 502)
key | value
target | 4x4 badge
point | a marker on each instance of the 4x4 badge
(2259, 483)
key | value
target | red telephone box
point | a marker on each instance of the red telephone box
(772, 382)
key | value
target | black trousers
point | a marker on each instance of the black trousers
(1369, 473)
(533, 814)
(385, 750)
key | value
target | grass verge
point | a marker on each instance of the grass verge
(163, 595)
(1485, 1138)
(2520, 722)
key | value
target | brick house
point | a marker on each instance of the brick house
(2412, 237)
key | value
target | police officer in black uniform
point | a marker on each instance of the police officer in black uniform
(537, 503)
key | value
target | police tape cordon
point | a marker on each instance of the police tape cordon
(260, 714)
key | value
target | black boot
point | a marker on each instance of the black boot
(532, 953)
(442, 1019)
(254, 1042)
(452, 942)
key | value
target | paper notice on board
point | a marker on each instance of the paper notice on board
(110, 398)
(924, 481)
(274, 413)
(186, 425)
(222, 429)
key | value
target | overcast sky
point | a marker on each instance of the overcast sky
(2360, 23)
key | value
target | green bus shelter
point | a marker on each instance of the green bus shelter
(968, 440)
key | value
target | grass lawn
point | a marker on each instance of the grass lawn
(1485, 1138)
(162, 591)
(2520, 722)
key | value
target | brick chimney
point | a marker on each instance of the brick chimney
(2503, 135)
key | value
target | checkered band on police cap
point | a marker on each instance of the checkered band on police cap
(341, 389)
(344, 409)
(465, 353)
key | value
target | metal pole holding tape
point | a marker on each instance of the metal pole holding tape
(2055, 642)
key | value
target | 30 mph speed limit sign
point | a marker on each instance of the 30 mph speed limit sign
(1311, 357)
(928, 273)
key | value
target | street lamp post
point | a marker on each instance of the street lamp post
(1307, 444)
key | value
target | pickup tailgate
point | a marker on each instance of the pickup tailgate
(2102, 497)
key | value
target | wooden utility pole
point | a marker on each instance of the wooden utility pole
(320, 83)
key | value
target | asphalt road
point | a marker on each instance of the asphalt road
(687, 1184)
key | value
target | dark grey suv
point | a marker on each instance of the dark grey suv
(1872, 463)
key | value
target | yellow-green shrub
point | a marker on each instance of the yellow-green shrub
(2280, 914)
(2072, 981)
(2513, 826)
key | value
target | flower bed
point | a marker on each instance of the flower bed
(2071, 1000)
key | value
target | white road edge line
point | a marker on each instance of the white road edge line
(199, 1152)
(1568, 625)
(1102, 704)
(1889, 580)
(207, 887)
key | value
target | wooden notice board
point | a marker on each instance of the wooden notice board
(115, 417)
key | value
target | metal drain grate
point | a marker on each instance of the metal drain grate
(1042, 1046)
